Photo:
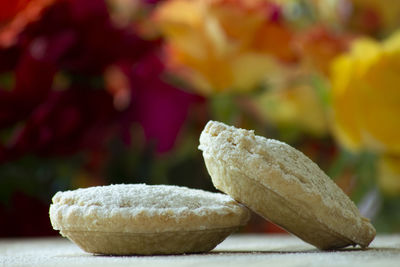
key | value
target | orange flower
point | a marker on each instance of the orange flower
(222, 45)
(15, 15)
(318, 47)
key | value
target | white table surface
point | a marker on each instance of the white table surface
(237, 250)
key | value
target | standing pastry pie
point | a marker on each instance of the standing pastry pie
(284, 186)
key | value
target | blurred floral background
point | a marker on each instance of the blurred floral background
(117, 91)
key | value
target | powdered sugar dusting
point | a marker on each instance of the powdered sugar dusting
(144, 198)
(141, 208)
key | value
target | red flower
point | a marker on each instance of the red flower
(68, 121)
(33, 81)
(15, 15)
(10, 8)
(92, 41)
(77, 38)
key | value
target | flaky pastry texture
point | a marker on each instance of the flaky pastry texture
(282, 185)
(140, 208)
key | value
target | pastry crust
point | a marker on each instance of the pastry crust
(284, 186)
(176, 242)
(97, 216)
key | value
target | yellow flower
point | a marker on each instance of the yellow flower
(222, 45)
(366, 96)
(389, 174)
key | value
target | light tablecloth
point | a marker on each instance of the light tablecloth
(236, 250)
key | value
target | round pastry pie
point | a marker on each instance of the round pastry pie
(131, 219)
(284, 186)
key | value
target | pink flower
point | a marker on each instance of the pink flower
(160, 108)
